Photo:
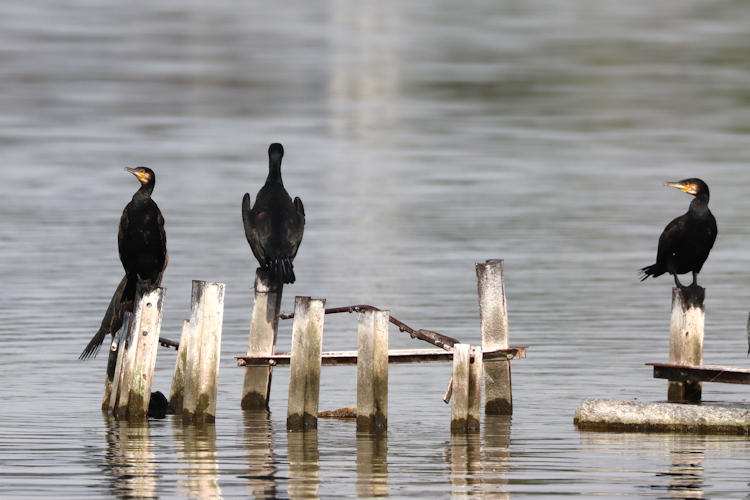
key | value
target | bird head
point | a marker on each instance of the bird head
(275, 151)
(692, 186)
(144, 174)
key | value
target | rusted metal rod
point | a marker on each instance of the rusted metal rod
(434, 338)
(168, 343)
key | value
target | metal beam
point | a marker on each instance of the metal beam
(702, 373)
(394, 356)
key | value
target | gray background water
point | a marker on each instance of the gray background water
(423, 137)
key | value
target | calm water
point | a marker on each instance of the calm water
(423, 137)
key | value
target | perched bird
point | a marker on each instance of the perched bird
(141, 240)
(142, 244)
(686, 241)
(274, 225)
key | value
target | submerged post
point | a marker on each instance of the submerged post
(493, 321)
(372, 371)
(203, 352)
(686, 338)
(139, 357)
(304, 374)
(256, 388)
(461, 374)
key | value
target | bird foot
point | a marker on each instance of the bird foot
(693, 295)
(142, 287)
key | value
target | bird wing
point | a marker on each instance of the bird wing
(671, 239)
(295, 226)
(257, 229)
(246, 207)
(713, 230)
(299, 206)
(122, 240)
(163, 241)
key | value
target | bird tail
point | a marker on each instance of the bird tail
(95, 343)
(112, 319)
(282, 270)
(653, 270)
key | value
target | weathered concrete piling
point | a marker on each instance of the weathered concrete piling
(467, 389)
(685, 371)
(304, 376)
(686, 339)
(493, 321)
(474, 367)
(177, 390)
(264, 326)
(198, 358)
(372, 371)
(136, 344)
(132, 358)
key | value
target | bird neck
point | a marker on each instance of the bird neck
(274, 171)
(144, 191)
(699, 205)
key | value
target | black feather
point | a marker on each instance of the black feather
(275, 224)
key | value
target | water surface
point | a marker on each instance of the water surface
(423, 137)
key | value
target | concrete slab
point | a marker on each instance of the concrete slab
(636, 416)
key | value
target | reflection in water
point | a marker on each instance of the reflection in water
(303, 464)
(131, 462)
(684, 475)
(259, 445)
(196, 447)
(364, 82)
(495, 454)
(451, 132)
(463, 455)
(479, 466)
(372, 465)
(686, 467)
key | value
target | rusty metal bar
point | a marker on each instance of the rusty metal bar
(703, 373)
(434, 338)
(394, 356)
(168, 343)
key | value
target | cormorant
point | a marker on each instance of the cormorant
(142, 244)
(274, 225)
(686, 241)
(141, 239)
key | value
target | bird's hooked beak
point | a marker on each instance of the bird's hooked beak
(687, 187)
(140, 174)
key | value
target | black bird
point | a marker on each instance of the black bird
(142, 244)
(141, 240)
(274, 225)
(686, 241)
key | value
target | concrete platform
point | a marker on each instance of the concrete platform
(636, 416)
